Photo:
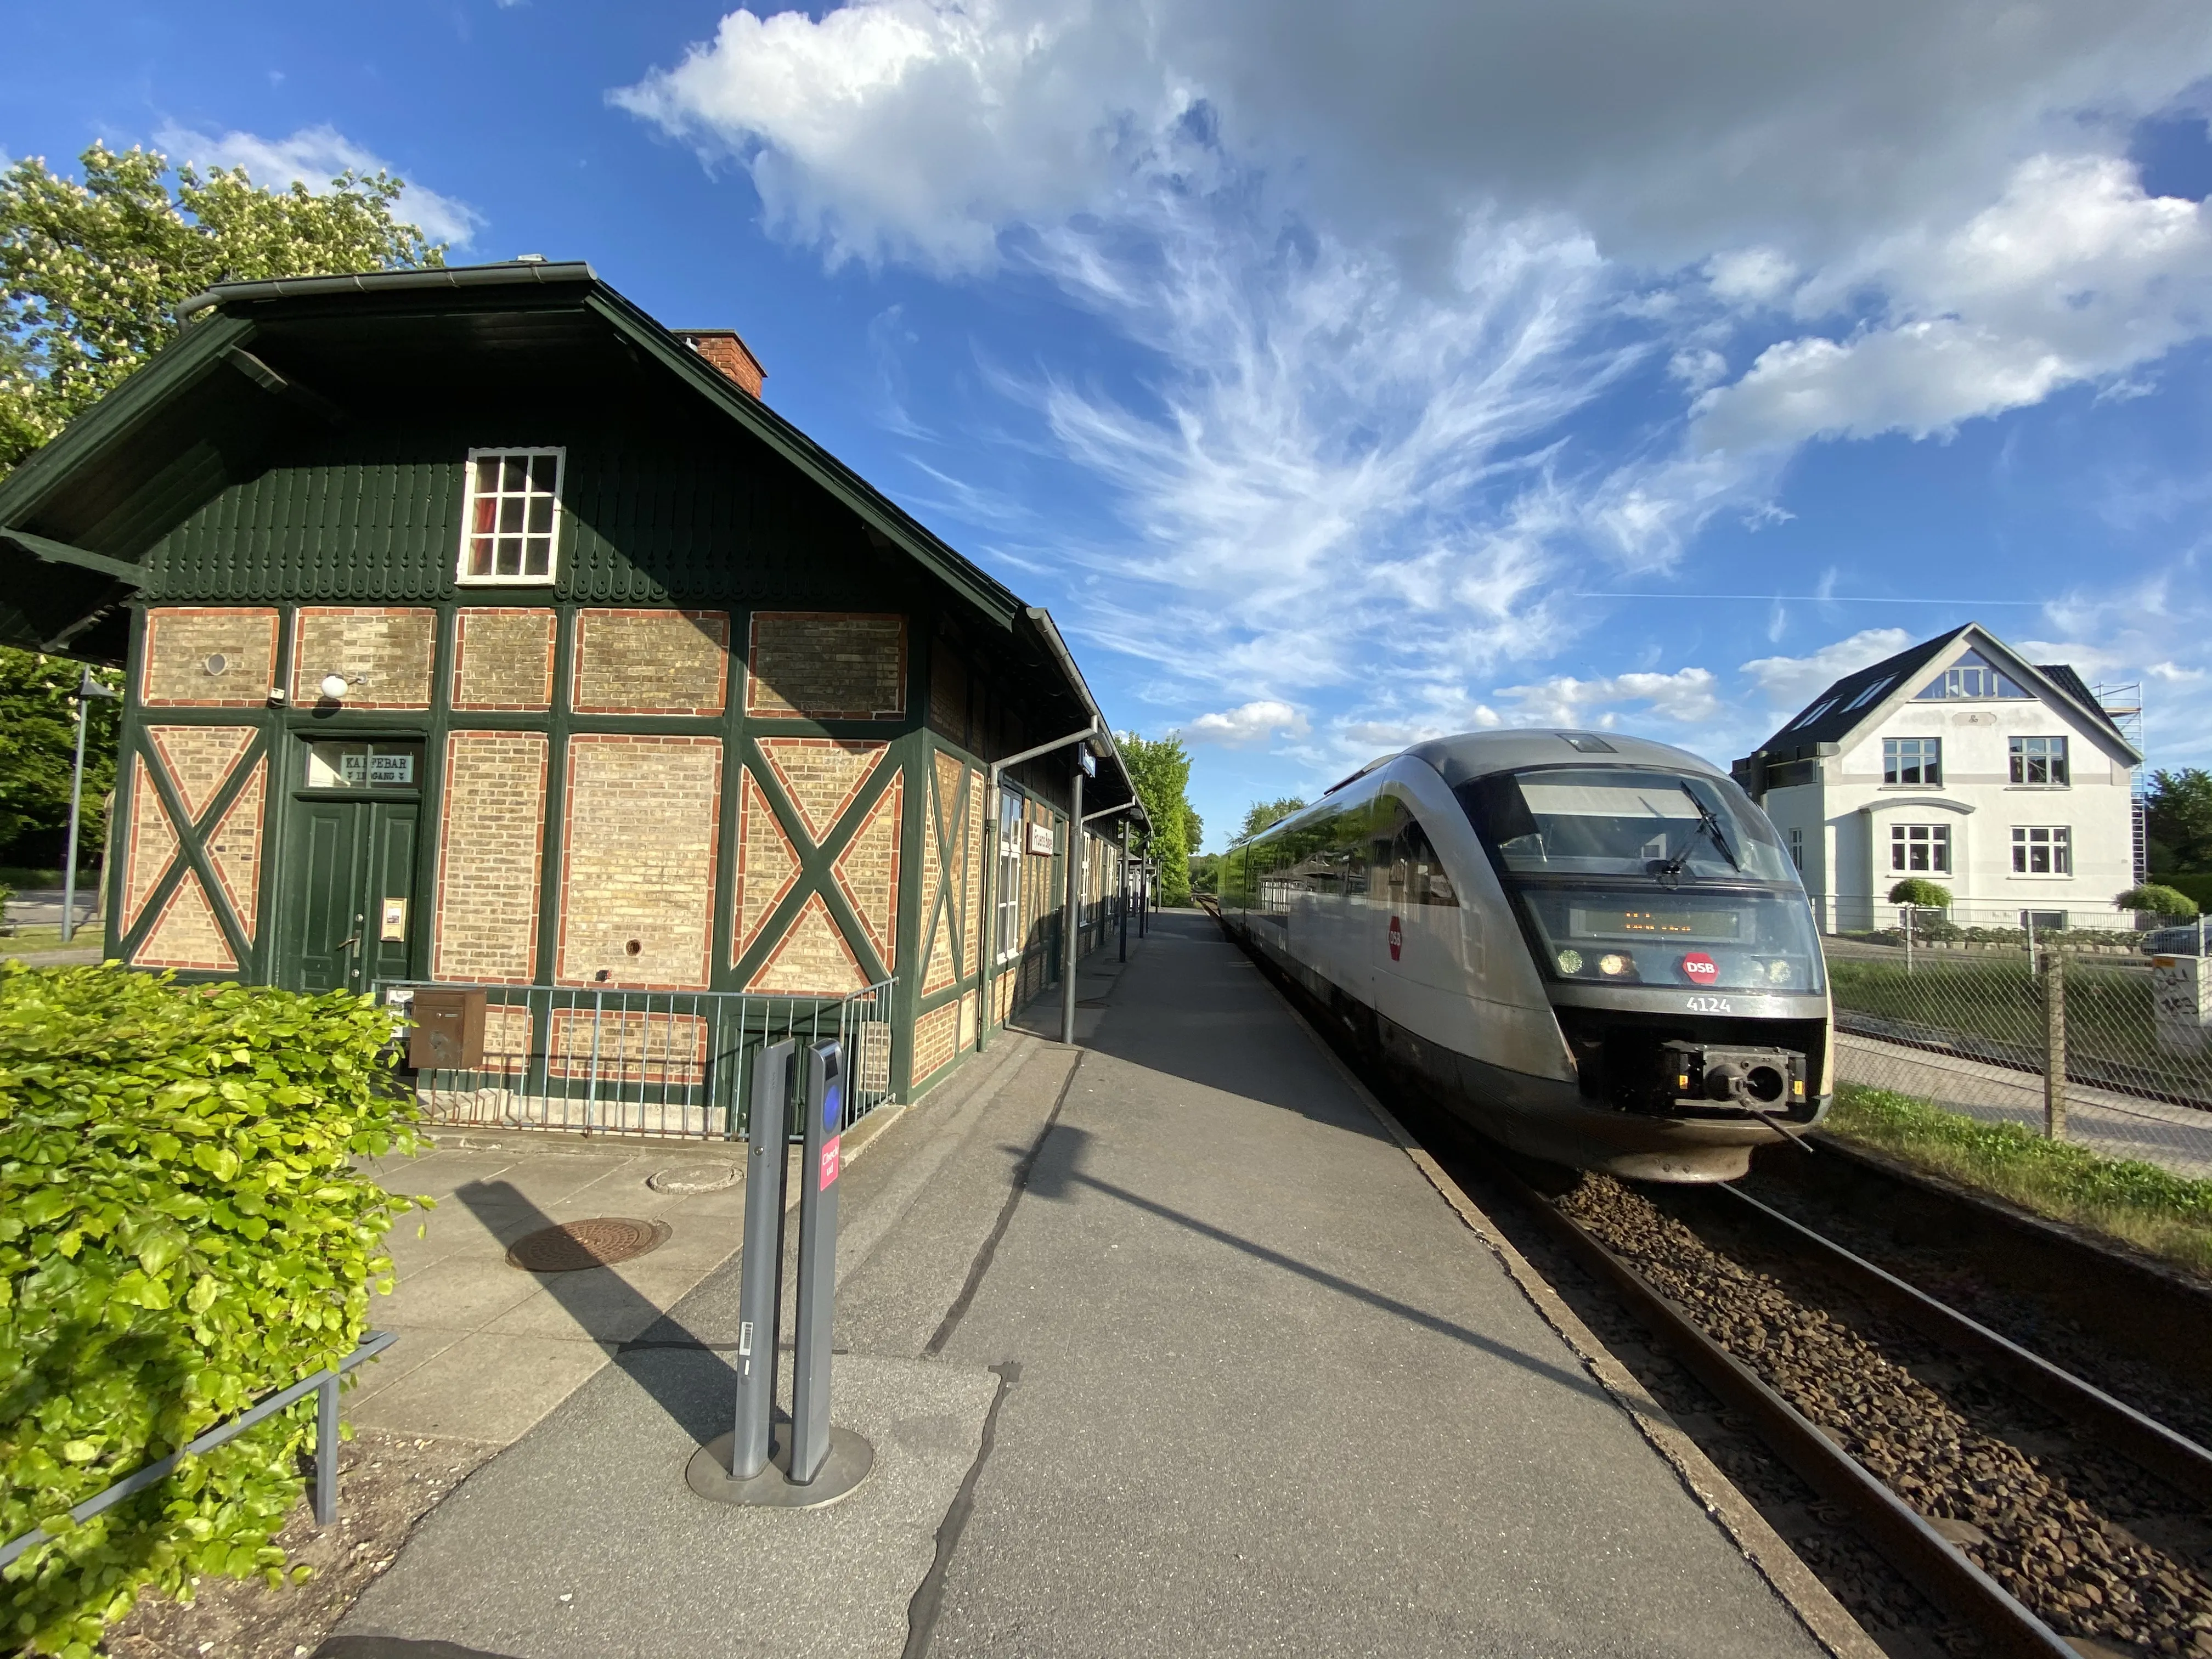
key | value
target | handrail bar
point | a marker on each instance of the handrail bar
(326, 1462)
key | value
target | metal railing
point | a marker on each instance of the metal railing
(612, 1061)
(324, 1384)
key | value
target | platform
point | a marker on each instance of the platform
(1166, 1347)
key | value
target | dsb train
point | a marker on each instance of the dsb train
(1591, 948)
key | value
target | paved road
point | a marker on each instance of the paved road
(1165, 1348)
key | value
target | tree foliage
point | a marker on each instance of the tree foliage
(1160, 768)
(2178, 819)
(37, 748)
(1919, 891)
(183, 1228)
(2160, 901)
(92, 271)
(1262, 813)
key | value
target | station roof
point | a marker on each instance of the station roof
(79, 519)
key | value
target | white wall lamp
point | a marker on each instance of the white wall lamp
(333, 687)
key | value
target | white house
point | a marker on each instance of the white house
(1960, 760)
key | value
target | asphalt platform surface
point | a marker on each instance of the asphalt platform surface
(1165, 1346)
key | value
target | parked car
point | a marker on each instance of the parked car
(2186, 940)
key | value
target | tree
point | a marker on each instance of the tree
(1921, 893)
(1262, 813)
(1160, 768)
(38, 751)
(2178, 814)
(91, 273)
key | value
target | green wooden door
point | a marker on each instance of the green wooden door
(350, 863)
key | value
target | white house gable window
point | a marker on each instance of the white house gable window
(510, 528)
(1912, 760)
(2042, 850)
(1972, 675)
(2039, 760)
(1920, 849)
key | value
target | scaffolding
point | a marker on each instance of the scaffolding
(2123, 706)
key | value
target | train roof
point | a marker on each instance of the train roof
(1477, 754)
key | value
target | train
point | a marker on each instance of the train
(1591, 948)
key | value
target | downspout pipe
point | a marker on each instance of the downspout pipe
(991, 872)
(1071, 927)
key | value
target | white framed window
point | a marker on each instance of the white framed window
(510, 524)
(1870, 693)
(1920, 849)
(2042, 849)
(1912, 760)
(2039, 760)
(1797, 849)
(1815, 712)
(1007, 900)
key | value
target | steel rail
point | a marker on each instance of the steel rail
(2142, 1440)
(1935, 1566)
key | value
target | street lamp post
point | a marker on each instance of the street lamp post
(87, 689)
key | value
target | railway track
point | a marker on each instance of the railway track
(2040, 1512)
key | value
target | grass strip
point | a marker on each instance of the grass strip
(2154, 1210)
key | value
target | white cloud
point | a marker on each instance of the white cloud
(1247, 724)
(1790, 683)
(1689, 696)
(313, 156)
(2073, 275)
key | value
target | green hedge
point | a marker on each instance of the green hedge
(181, 1232)
(2196, 887)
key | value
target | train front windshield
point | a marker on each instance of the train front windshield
(1633, 876)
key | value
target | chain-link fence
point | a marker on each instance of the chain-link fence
(2105, 1046)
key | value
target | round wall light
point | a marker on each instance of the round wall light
(333, 687)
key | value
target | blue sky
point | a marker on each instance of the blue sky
(1328, 371)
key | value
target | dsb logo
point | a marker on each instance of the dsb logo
(1397, 939)
(1700, 969)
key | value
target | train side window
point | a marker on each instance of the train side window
(1424, 881)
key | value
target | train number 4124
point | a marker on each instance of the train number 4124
(1710, 1005)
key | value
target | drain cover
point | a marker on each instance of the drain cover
(574, 1245)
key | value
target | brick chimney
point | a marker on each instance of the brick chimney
(723, 349)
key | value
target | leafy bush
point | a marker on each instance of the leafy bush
(2160, 901)
(1921, 891)
(181, 1232)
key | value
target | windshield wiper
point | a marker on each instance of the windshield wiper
(1671, 871)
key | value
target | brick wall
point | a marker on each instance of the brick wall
(637, 865)
(187, 934)
(181, 644)
(868, 871)
(388, 648)
(234, 848)
(503, 658)
(652, 662)
(936, 1039)
(972, 887)
(950, 826)
(768, 865)
(820, 775)
(489, 854)
(811, 959)
(826, 665)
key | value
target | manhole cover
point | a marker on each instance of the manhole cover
(574, 1245)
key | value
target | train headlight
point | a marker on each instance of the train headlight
(1571, 961)
(1778, 972)
(1614, 964)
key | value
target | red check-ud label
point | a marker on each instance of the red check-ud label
(1700, 969)
(1397, 939)
(829, 1161)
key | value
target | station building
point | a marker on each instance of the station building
(481, 630)
(2005, 781)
